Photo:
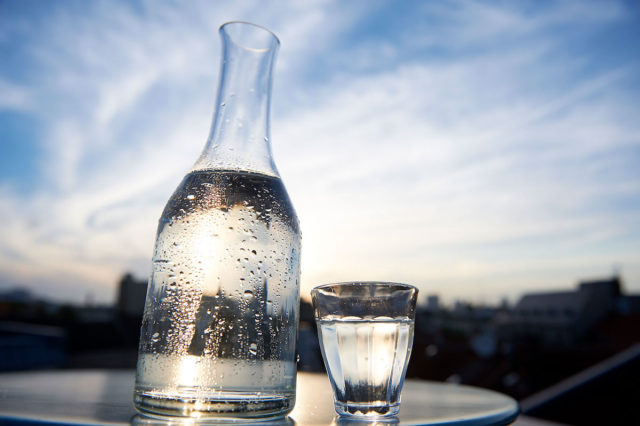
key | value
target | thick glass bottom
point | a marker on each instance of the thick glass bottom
(223, 405)
(351, 409)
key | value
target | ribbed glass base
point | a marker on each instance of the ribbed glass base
(355, 410)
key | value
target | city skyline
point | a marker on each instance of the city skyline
(478, 150)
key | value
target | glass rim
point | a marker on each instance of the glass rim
(224, 29)
(402, 286)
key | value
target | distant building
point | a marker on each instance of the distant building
(17, 295)
(463, 320)
(628, 305)
(433, 303)
(131, 296)
(95, 314)
(562, 317)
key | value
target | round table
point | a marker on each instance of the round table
(105, 397)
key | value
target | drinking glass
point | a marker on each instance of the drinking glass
(366, 334)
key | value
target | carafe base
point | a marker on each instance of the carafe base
(226, 406)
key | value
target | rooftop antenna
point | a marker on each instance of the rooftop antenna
(617, 270)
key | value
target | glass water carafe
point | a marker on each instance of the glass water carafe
(218, 336)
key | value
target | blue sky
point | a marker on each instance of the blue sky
(475, 149)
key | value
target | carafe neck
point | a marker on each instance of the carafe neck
(239, 138)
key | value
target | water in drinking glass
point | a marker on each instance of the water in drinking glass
(367, 359)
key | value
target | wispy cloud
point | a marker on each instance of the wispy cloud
(112, 153)
(496, 25)
(15, 97)
(473, 153)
